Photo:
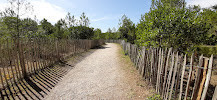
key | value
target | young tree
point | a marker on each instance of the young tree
(70, 20)
(127, 29)
(47, 27)
(84, 21)
(29, 27)
(13, 12)
(17, 8)
(97, 33)
(59, 29)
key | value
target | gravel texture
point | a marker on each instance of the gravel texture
(103, 75)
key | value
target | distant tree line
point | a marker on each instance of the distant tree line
(68, 28)
(13, 26)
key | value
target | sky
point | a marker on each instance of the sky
(103, 14)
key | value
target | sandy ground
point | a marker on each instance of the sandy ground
(106, 74)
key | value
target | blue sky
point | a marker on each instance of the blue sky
(103, 14)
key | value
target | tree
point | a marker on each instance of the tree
(210, 16)
(59, 29)
(127, 29)
(17, 9)
(70, 20)
(84, 21)
(29, 26)
(169, 24)
(114, 30)
(47, 27)
(97, 33)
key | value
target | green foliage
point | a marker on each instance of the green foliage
(110, 34)
(29, 26)
(97, 33)
(155, 97)
(127, 29)
(83, 32)
(84, 21)
(171, 24)
(46, 27)
(8, 26)
(207, 50)
(64, 28)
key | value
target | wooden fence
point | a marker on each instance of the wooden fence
(174, 75)
(19, 59)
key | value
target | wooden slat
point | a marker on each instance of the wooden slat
(182, 78)
(10, 60)
(17, 59)
(177, 86)
(203, 79)
(169, 77)
(165, 71)
(162, 65)
(198, 79)
(174, 76)
(144, 62)
(158, 72)
(189, 78)
(152, 69)
(208, 77)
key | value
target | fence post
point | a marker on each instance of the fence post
(208, 76)
(174, 75)
(21, 57)
(182, 78)
(198, 79)
(189, 78)
(203, 77)
(165, 71)
(158, 72)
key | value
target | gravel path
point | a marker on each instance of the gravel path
(102, 75)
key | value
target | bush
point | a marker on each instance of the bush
(207, 50)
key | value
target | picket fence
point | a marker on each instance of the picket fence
(174, 75)
(27, 56)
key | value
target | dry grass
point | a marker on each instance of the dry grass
(140, 89)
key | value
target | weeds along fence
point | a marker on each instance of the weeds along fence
(174, 75)
(23, 57)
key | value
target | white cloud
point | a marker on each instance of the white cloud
(42, 9)
(99, 19)
(51, 12)
(202, 3)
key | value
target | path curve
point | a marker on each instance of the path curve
(101, 75)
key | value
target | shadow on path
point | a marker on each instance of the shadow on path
(37, 85)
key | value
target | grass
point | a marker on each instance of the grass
(137, 81)
(155, 97)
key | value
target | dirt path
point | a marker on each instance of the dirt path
(105, 74)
